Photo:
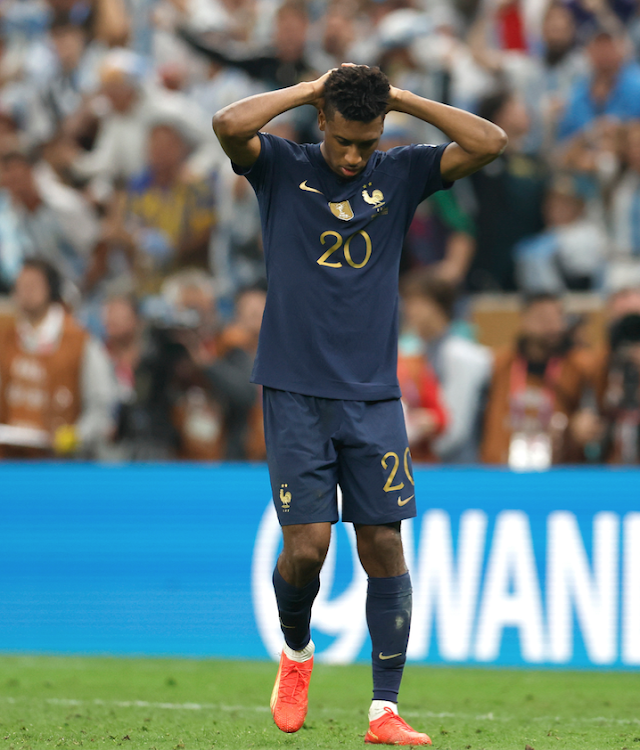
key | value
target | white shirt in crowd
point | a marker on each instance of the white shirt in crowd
(463, 368)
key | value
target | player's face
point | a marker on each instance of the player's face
(348, 144)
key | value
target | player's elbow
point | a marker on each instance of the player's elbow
(222, 124)
(227, 124)
(496, 141)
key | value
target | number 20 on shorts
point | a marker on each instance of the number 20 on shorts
(323, 260)
(391, 461)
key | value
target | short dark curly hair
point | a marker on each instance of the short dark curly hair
(358, 92)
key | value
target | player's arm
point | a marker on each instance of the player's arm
(475, 141)
(238, 124)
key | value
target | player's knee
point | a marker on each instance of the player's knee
(304, 559)
(384, 539)
(380, 550)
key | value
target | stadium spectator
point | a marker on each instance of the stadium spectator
(100, 85)
(508, 194)
(624, 264)
(569, 253)
(238, 257)
(75, 76)
(143, 359)
(28, 57)
(124, 112)
(536, 390)
(215, 396)
(222, 86)
(441, 235)
(424, 412)
(335, 32)
(56, 385)
(462, 367)
(283, 63)
(544, 79)
(242, 335)
(41, 217)
(107, 21)
(611, 89)
(182, 394)
(123, 341)
(608, 424)
(170, 218)
(159, 223)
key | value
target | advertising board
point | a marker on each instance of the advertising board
(539, 569)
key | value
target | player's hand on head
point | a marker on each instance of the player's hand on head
(394, 98)
(318, 85)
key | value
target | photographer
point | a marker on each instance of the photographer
(57, 391)
(605, 429)
(621, 402)
(538, 388)
(182, 396)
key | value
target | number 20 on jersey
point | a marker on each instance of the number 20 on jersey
(338, 243)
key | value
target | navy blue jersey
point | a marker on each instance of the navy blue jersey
(332, 249)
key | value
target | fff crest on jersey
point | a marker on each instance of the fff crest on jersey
(342, 210)
(375, 199)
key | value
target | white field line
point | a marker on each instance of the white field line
(265, 709)
(151, 704)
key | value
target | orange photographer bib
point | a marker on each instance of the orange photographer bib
(40, 390)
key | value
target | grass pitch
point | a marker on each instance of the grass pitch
(67, 702)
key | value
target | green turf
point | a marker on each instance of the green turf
(67, 702)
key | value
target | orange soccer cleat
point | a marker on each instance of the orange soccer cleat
(289, 696)
(390, 729)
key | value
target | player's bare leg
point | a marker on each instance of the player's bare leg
(305, 548)
(389, 619)
(296, 583)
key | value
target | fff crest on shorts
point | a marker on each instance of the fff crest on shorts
(342, 210)
(285, 498)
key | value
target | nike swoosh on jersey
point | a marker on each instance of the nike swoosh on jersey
(384, 657)
(303, 186)
(402, 502)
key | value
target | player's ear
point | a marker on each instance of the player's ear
(322, 120)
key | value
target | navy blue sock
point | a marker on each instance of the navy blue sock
(294, 608)
(389, 619)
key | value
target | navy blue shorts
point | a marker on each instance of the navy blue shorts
(315, 444)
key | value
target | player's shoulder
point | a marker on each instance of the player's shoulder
(400, 157)
(276, 147)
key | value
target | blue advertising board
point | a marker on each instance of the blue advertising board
(508, 569)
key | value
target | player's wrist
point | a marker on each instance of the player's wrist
(309, 92)
(396, 99)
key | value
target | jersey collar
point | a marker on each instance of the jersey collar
(334, 187)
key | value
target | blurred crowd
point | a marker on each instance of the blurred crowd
(131, 256)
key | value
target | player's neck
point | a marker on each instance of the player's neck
(336, 172)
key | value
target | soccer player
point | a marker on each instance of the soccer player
(334, 216)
